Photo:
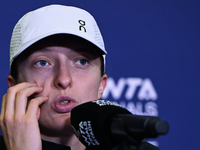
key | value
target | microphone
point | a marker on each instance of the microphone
(102, 124)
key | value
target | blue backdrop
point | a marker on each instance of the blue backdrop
(153, 58)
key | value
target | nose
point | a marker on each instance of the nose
(62, 77)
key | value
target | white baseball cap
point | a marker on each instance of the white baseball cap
(54, 19)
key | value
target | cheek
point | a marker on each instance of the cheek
(34, 77)
(42, 80)
(90, 85)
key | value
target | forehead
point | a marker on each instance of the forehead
(70, 41)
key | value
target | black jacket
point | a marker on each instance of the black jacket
(53, 146)
(45, 145)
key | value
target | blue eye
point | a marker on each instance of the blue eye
(42, 63)
(82, 61)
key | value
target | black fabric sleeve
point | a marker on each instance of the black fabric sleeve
(45, 145)
(53, 146)
(2, 144)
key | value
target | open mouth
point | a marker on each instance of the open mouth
(64, 102)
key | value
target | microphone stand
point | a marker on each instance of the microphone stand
(135, 140)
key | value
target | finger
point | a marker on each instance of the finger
(22, 98)
(11, 95)
(33, 108)
(2, 110)
(2, 118)
(3, 105)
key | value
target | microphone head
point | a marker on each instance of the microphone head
(90, 122)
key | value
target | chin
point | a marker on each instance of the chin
(57, 128)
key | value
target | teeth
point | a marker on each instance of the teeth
(64, 102)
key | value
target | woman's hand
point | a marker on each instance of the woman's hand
(19, 122)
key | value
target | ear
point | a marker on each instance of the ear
(11, 81)
(102, 85)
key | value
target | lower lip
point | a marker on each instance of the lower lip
(63, 108)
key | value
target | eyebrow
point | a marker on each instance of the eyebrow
(86, 50)
(43, 50)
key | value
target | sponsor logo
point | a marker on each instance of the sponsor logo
(82, 25)
(86, 132)
(136, 94)
(106, 103)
